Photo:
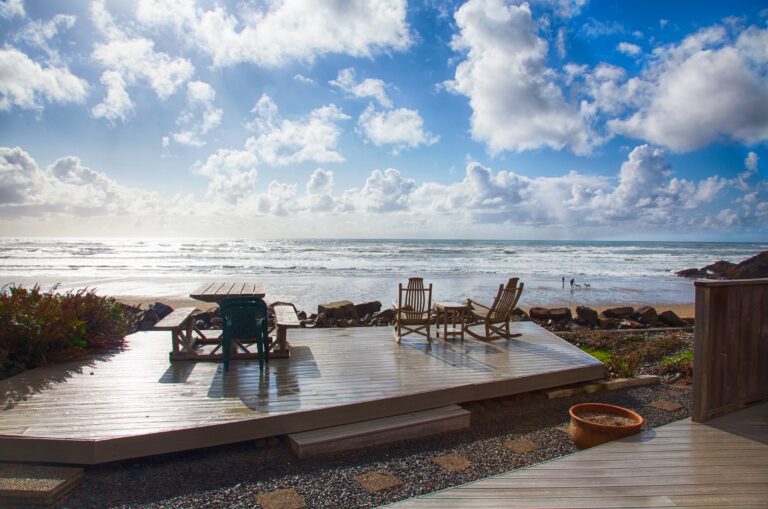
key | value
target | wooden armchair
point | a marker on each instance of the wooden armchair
(495, 318)
(414, 309)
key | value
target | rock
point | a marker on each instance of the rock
(368, 308)
(522, 315)
(541, 314)
(161, 309)
(690, 273)
(386, 315)
(755, 267)
(609, 323)
(200, 324)
(342, 309)
(150, 318)
(647, 315)
(718, 269)
(574, 326)
(671, 319)
(621, 312)
(302, 315)
(626, 323)
(559, 314)
(587, 315)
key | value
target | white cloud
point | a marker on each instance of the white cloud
(401, 128)
(516, 101)
(319, 197)
(303, 79)
(704, 89)
(12, 8)
(285, 31)
(135, 59)
(37, 33)
(283, 141)
(200, 115)
(384, 191)
(66, 187)
(629, 49)
(564, 8)
(117, 105)
(26, 84)
(278, 200)
(369, 87)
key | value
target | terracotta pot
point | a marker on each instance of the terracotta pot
(588, 434)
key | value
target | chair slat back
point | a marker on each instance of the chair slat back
(244, 318)
(506, 300)
(415, 300)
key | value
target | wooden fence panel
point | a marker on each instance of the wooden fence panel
(731, 346)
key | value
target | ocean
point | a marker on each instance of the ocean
(309, 272)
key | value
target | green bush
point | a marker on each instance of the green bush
(625, 364)
(680, 363)
(37, 328)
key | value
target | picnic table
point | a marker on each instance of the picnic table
(220, 290)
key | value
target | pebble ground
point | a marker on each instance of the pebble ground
(232, 476)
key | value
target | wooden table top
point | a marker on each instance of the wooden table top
(217, 291)
(450, 305)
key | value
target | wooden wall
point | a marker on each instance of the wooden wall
(731, 346)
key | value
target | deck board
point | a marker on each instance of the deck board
(721, 463)
(136, 402)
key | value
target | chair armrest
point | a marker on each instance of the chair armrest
(473, 303)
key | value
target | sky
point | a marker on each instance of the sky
(547, 119)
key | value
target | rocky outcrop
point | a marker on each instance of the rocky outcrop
(755, 267)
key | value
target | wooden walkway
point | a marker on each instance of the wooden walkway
(136, 403)
(722, 463)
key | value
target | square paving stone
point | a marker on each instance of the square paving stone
(663, 404)
(36, 485)
(281, 499)
(453, 462)
(521, 445)
(378, 481)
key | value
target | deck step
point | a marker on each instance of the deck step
(36, 486)
(379, 431)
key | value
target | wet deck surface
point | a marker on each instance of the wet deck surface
(721, 463)
(135, 402)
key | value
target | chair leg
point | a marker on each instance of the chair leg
(226, 350)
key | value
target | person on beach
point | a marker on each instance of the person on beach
(572, 283)
(563, 281)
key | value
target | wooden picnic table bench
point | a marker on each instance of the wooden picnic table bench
(285, 318)
(182, 326)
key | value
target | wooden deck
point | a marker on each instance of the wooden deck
(722, 463)
(136, 403)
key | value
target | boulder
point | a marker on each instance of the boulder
(385, 316)
(647, 315)
(150, 318)
(621, 312)
(541, 314)
(755, 267)
(609, 323)
(368, 308)
(560, 314)
(587, 315)
(690, 273)
(671, 319)
(520, 314)
(718, 270)
(162, 310)
(626, 323)
(342, 309)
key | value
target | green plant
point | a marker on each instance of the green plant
(625, 364)
(38, 327)
(679, 363)
(600, 354)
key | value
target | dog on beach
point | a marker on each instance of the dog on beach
(586, 285)
(578, 286)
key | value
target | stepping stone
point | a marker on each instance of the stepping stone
(281, 499)
(36, 485)
(521, 445)
(663, 404)
(453, 462)
(378, 481)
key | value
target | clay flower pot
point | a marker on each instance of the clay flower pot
(588, 434)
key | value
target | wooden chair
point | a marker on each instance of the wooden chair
(495, 318)
(244, 322)
(414, 309)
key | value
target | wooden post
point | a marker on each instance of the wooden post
(731, 346)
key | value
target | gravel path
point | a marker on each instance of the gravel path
(232, 476)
